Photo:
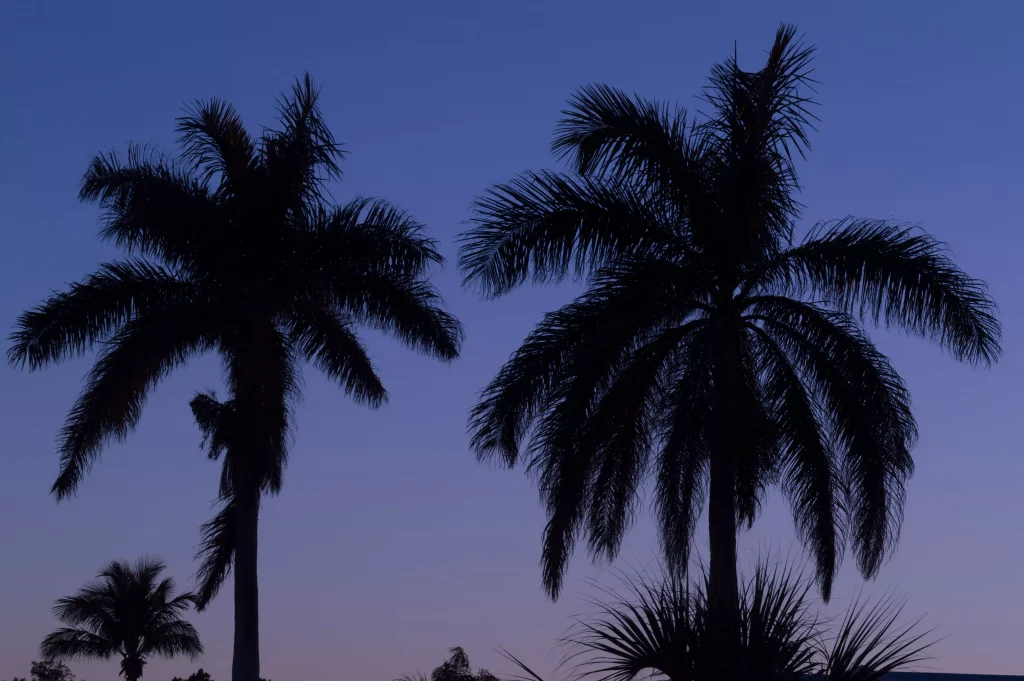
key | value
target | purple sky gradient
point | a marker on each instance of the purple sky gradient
(390, 543)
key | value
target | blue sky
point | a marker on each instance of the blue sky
(390, 543)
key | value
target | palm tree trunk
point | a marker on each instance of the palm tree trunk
(245, 665)
(723, 582)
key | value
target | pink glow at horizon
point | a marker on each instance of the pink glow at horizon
(390, 543)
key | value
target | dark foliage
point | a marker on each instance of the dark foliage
(235, 247)
(712, 343)
(660, 629)
(455, 668)
(130, 613)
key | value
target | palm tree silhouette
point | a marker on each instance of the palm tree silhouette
(128, 612)
(712, 348)
(235, 248)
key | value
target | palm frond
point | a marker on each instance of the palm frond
(372, 234)
(652, 626)
(899, 276)
(868, 406)
(214, 140)
(605, 132)
(302, 155)
(151, 206)
(215, 420)
(174, 638)
(766, 111)
(684, 457)
(544, 225)
(73, 644)
(871, 642)
(409, 309)
(216, 553)
(327, 340)
(139, 355)
(621, 430)
(810, 479)
(90, 312)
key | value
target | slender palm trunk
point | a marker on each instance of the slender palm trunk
(245, 665)
(723, 586)
(723, 582)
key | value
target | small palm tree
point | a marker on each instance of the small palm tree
(129, 612)
(236, 249)
(713, 349)
(660, 628)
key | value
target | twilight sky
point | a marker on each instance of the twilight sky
(390, 543)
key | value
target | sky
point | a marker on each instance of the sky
(390, 543)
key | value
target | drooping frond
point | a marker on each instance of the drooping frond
(144, 351)
(868, 406)
(622, 430)
(216, 422)
(68, 643)
(625, 302)
(810, 477)
(173, 638)
(151, 206)
(544, 225)
(899, 276)
(216, 553)
(371, 234)
(327, 340)
(683, 460)
(410, 309)
(72, 323)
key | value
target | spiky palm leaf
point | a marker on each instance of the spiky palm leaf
(235, 248)
(659, 628)
(712, 347)
(128, 612)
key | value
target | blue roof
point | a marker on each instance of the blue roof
(935, 676)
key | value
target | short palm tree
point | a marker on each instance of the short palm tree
(235, 248)
(129, 612)
(712, 349)
(659, 628)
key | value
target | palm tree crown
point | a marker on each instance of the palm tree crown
(129, 612)
(235, 248)
(713, 349)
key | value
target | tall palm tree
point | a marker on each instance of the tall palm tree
(235, 248)
(712, 348)
(128, 612)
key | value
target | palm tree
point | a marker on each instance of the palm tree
(129, 612)
(235, 248)
(659, 628)
(712, 347)
(455, 668)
